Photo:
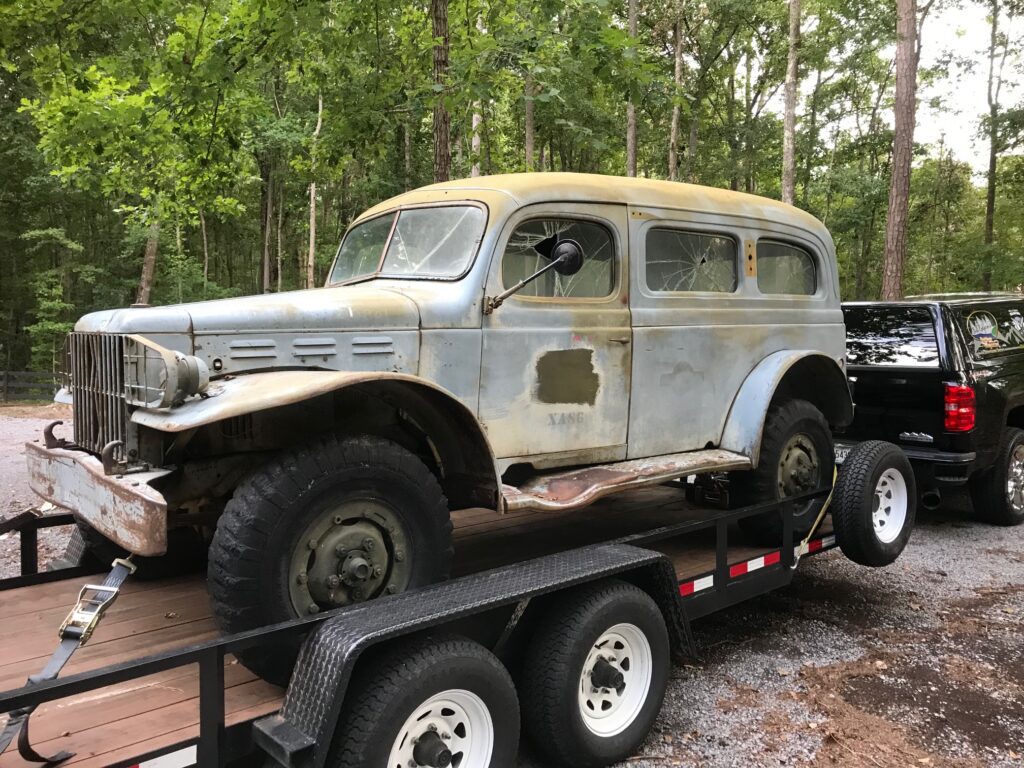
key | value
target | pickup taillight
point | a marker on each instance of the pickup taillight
(960, 410)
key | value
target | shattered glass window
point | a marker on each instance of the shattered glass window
(786, 269)
(529, 250)
(690, 261)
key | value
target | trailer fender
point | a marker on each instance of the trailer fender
(805, 374)
(301, 733)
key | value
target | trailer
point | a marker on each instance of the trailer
(557, 628)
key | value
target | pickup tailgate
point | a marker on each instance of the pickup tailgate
(898, 382)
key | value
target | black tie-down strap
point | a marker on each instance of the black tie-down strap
(93, 601)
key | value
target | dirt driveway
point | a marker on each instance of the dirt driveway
(919, 664)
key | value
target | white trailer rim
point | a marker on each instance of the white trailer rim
(889, 506)
(608, 712)
(459, 718)
(1015, 479)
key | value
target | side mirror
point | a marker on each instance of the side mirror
(566, 258)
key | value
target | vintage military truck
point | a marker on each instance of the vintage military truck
(530, 341)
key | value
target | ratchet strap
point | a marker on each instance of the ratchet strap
(802, 549)
(93, 602)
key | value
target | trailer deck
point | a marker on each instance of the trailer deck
(119, 724)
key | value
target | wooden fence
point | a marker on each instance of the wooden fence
(27, 385)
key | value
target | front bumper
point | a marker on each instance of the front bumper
(124, 508)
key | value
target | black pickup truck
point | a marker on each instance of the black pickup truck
(943, 377)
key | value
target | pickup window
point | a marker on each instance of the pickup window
(994, 329)
(902, 336)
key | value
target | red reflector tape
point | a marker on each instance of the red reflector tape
(739, 569)
(697, 585)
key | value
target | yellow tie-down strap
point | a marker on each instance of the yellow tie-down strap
(803, 549)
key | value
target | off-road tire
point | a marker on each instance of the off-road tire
(853, 503)
(248, 574)
(186, 553)
(387, 687)
(989, 488)
(554, 662)
(760, 485)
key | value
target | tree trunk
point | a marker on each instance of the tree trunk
(789, 130)
(206, 249)
(442, 120)
(407, 166)
(994, 84)
(268, 224)
(673, 135)
(630, 106)
(280, 224)
(311, 254)
(691, 146)
(528, 125)
(149, 261)
(902, 149)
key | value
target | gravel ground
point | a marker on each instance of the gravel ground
(918, 664)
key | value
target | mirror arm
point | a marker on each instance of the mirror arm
(491, 303)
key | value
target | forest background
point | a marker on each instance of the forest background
(170, 150)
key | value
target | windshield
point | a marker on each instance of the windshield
(437, 242)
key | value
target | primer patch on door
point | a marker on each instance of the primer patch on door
(567, 376)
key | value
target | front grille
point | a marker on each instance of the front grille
(95, 368)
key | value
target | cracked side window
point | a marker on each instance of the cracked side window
(531, 244)
(678, 261)
(785, 269)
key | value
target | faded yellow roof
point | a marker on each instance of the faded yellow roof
(528, 188)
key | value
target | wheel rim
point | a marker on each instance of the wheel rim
(452, 728)
(1015, 480)
(351, 552)
(616, 680)
(799, 467)
(889, 506)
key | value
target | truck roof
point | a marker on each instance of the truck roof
(529, 188)
(934, 299)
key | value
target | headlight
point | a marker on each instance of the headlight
(155, 377)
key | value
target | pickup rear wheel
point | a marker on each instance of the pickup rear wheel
(797, 457)
(998, 493)
(337, 522)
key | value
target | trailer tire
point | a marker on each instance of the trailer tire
(567, 717)
(433, 693)
(336, 494)
(998, 492)
(874, 503)
(796, 439)
(186, 553)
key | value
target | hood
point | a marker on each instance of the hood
(350, 308)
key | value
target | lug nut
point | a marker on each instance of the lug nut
(314, 608)
(338, 519)
(399, 555)
(392, 589)
(340, 550)
(368, 544)
(377, 572)
(312, 543)
(332, 581)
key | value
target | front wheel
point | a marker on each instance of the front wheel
(437, 701)
(874, 503)
(337, 522)
(998, 493)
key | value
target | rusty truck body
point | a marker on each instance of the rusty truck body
(507, 342)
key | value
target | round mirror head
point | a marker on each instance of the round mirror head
(568, 257)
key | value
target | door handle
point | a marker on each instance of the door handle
(620, 339)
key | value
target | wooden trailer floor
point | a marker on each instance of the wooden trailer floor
(117, 723)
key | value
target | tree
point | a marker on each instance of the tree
(789, 135)
(442, 120)
(903, 150)
(630, 106)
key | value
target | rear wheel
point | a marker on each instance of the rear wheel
(337, 522)
(874, 503)
(797, 457)
(432, 702)
(998, 493)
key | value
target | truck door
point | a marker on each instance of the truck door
(555, 368)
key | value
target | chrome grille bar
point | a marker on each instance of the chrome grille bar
(96, 379)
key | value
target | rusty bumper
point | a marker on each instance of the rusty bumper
(124, 508)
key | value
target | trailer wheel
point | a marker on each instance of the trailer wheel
(322, 526)
(595, 675)
(874, 503)
(797, 457)
(437, 701)
(998, 492)
(186, 553)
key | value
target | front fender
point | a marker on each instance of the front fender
(823, 384)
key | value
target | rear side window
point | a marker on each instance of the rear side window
(678, 261)
(992, 330)
(891, 336)
(785, 269)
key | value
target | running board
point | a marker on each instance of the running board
(561, 491)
